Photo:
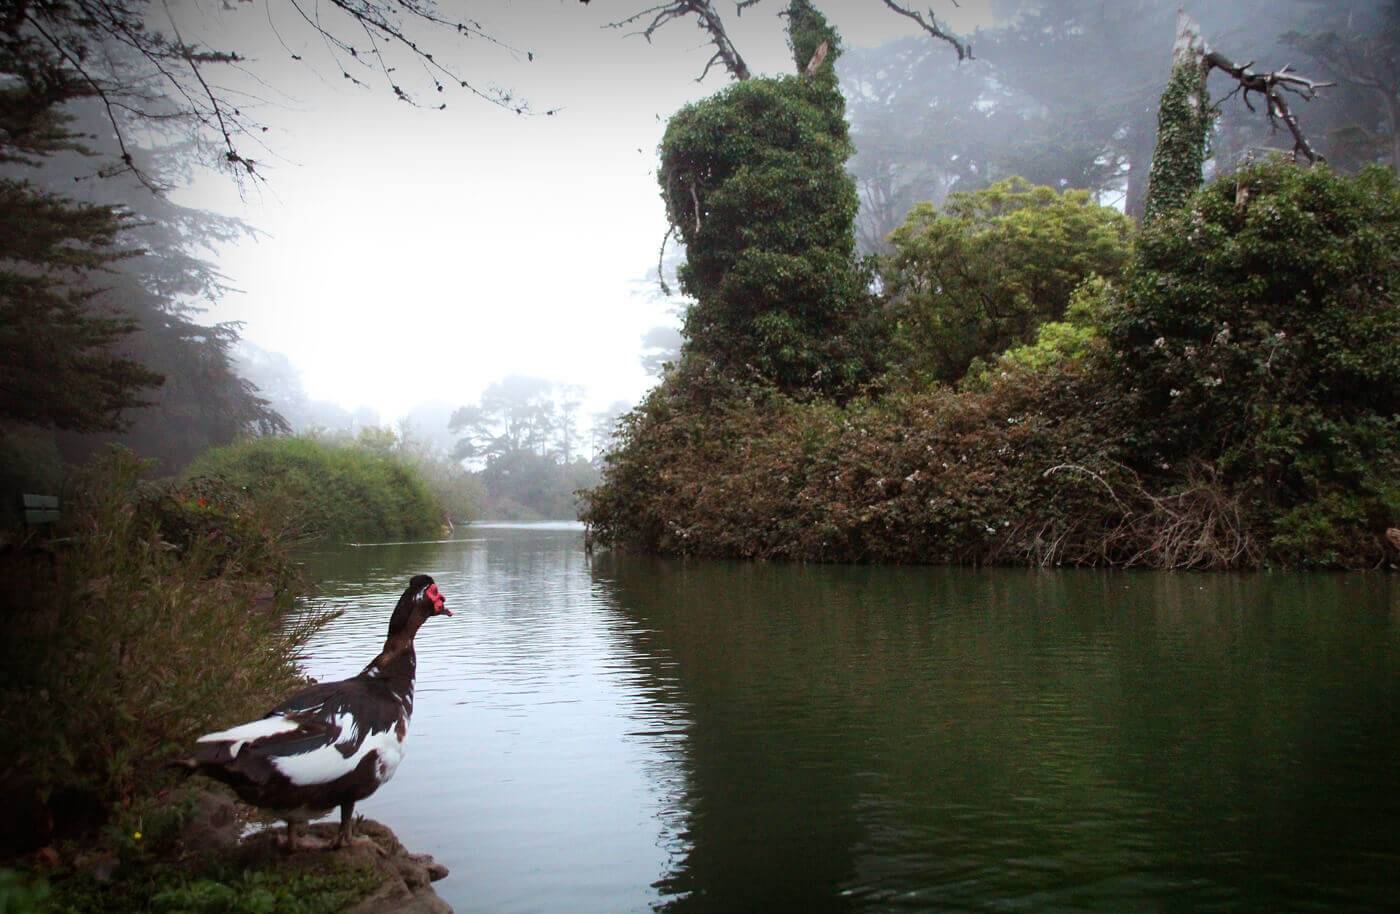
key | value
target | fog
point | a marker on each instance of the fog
(398, 259)
(410, 255)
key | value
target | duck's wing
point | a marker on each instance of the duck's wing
(316, 736)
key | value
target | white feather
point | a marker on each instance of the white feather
(246, 733)
(323, 765)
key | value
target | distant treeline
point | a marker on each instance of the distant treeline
(1038, 379)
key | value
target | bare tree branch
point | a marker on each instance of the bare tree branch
(706, 18)
(128, 163)
(930, 25)
(140, 74)
(661, 262)
(1272, 86)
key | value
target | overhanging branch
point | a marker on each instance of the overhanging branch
(705, 17)
(930, 25)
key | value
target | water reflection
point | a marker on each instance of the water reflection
(540, 759)
(630, 733)
(947, 739)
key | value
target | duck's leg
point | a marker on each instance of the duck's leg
(347, 824)
(347, 836)
(299, 840)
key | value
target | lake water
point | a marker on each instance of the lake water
(627, 733)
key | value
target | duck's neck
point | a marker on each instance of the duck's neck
(397, 663)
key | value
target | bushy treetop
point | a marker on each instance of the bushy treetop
(981, 274)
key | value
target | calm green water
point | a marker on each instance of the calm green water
(627, 733)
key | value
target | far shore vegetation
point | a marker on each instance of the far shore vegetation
(1040, 380)
(326, 489)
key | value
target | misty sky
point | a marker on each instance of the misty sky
(416, 255)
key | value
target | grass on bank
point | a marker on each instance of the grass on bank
(327, 489)
(208, 885)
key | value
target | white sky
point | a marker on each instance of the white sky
(414, 255)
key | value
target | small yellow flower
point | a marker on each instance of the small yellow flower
(136, 835)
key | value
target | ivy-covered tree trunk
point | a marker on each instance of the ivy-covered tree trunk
(756, 187)
(1183, 124)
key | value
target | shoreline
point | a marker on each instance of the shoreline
(210, 853)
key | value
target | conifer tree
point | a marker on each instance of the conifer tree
(58, 364)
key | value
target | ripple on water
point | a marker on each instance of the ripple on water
(708, 736)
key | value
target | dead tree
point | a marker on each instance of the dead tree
(1185, 116)
(725, 53)
(706, 18)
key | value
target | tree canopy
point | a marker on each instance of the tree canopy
(522, 436)
(100, 286)
(984, 272)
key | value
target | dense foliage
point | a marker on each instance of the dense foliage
(982, 273)
(59, 366)
(1225, 402)
(1183, 128)
(166, 597)
(1214, 390)
(101, 281)
(325, 489)
(755, 185)
(1260, 328)
(100, 340)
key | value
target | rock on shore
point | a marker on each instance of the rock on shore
(405, 879)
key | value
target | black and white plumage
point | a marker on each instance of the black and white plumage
(330, 744)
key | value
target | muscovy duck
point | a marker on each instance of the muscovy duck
(331, 744)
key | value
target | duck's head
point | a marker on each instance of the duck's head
(420, 601)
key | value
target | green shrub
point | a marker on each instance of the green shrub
(155, 630)
(1077, 337)
(1026, 470)
(983, 273)
(320, 488)
(1229, 402)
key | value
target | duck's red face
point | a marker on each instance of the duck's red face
(438, 601)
